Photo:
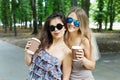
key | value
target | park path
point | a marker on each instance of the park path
(12, 64)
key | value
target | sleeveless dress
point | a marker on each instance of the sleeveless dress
(79, 72)
(45, 67)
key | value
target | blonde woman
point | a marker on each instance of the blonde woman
(79, 34)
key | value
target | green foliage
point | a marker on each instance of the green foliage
(5, 12)
(67, 4)
(117, 10)
(22, 9)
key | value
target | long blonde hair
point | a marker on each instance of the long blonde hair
(85, 31)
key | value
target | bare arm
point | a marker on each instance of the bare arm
(88, 62)
(28, 57)
(67, 65)
(86, 56)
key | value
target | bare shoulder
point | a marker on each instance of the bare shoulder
(86, 41)
(67, 50)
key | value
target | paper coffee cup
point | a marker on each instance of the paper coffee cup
(34, 45)
(74, 50)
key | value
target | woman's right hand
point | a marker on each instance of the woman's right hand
(28, 45)
(28, 57)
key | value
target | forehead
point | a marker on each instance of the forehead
(55, 21)
(73, 15)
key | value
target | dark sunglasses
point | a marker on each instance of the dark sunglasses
(76, 22)
(58, 26)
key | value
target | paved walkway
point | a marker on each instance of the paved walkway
(12, 64)
(108, 67)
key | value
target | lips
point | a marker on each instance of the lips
(70, 27)
(56, 33)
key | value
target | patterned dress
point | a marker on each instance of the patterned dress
(79, 72)
(45, 67)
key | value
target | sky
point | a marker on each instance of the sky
(92, 1)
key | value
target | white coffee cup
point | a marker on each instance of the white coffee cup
(34, 45)
(74, 50)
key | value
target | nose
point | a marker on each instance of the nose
(72, 23)
(56, 29)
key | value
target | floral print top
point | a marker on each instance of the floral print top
(45, 67)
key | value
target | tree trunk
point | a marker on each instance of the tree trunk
(107, 15)
(100, 26)
(15, 31)
(112, 13)
(74, 3)
(10, 22)
(100, 14)
(14, 20)
(30, 25)
(5, 16)
(86, 6)
(33, 5)
(26, 22)
(106, 21)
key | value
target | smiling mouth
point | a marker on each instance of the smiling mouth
(70, 26)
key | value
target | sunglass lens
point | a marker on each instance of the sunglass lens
(76, 23)
(69, 20)
(51, 28)
(59, 26)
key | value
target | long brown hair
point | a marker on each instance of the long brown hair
(46, 37)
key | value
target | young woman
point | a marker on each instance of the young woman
(53, 54)
(79, 34)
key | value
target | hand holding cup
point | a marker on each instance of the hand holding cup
(77, 53)
(32, 45)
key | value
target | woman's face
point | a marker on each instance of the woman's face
(72, 22)
(57, 28)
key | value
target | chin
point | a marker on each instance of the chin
(58, 36)
(71, 30)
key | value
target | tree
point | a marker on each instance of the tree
(112, 13)
(100, 14)
(24, 13)
(74, 2)
(106, 13)
(5, 14)
(86, 6)
(33, 6)
(15, 5)
(113, 9)
(40, 12)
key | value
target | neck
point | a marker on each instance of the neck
(73, 35)
(58, 41)
(73, 38)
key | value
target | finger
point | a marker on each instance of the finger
(27, 46)
(79, 56)
(80, 50)
(29, 42)
(79, 53)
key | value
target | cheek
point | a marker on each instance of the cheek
(63, 31)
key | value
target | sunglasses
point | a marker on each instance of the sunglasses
(76, 22)
(58, 26)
